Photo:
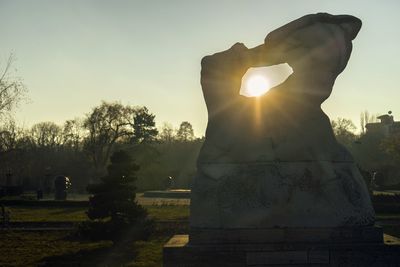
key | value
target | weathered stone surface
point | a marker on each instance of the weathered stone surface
(285, 194)
(273, 160)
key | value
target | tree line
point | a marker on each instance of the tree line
(81, 148)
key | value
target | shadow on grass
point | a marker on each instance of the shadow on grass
(104, 256)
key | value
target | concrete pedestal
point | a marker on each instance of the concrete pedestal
(179, 252)
(339, 235)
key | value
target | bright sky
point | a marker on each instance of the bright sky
(73, 54)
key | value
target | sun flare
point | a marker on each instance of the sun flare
(257, 85)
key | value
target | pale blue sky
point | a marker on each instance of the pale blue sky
(73, 54)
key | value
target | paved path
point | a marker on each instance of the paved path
(63, 226)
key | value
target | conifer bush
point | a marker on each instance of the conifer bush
(113, 211)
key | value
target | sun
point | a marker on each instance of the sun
(256, 85)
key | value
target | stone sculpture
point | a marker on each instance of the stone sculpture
(273, 161)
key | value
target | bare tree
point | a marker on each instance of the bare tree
(366, 118)
(8, 136)
(12, 90)
(166, 133)
(46, 134)
(105, 125)
(344, 131)
(73, 133)
(13, 147)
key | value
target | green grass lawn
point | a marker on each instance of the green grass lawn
(40, 214)
(51, 214)
(30, 248)
(180, 212)
(58, 248)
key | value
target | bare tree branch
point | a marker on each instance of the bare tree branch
(12, 90)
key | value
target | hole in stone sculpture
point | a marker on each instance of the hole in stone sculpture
(257, 81)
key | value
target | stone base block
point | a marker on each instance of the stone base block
(178, 252)
(338, 235)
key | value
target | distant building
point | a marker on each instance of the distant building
(386, 173)
(386, 127)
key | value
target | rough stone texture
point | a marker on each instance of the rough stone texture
(266, 237)
(273, 161)
(178, 252)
